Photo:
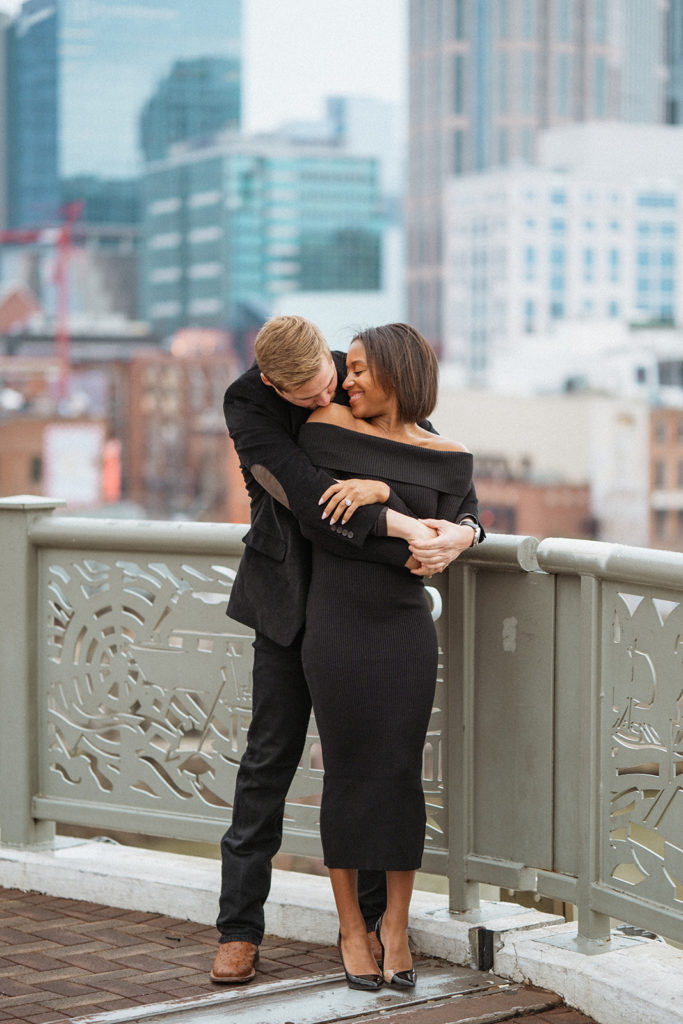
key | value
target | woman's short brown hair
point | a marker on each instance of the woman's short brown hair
(289, 351)
(404, 362)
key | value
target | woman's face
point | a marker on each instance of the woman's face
(366, 397)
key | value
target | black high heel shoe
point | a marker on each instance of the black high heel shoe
(401, 979)
(364, 982)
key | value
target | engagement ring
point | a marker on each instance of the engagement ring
(347, 501)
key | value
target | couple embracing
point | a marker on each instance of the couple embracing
(354, 500)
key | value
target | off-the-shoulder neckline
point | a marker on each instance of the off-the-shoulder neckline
(386, 440)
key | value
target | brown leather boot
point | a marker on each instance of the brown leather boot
(235, 963)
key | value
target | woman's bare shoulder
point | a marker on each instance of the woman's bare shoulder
(340, 415)
(445, 444)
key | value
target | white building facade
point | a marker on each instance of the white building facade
(594, 233)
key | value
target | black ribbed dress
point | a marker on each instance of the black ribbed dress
(370, 657)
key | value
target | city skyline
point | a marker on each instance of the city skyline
(292, 63)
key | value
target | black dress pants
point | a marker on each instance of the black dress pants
(281, 708)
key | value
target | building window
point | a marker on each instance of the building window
(529, 263)
(528, 18)
(660, 522)
(527, 145)
(660, 431)
(458, 151)
(556, 310)
(527, 83)
(36, 469)
(564, 21)
(589, 264)
(680, 522)
(614, 258)
(680, 471)
(503, 145)
(529, 316)
(563, 85)
(459, 19)
(613, 308)
(599, 21)
(599, 87)
(504, 18)
(458, 83)
(558, 197)
(656, 199)
(503, 83)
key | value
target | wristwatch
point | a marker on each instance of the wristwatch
(475, 526)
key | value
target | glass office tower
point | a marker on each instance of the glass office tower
(80, 73)
(32, 120)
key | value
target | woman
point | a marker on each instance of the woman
(370, 648)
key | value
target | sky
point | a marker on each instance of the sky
(299, 51)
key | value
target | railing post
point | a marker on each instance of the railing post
(463, 894)
(18, 671)
(592, 926)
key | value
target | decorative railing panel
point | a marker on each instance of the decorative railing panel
(642, 748)
(146, 691)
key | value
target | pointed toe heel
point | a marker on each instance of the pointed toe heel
(400, 979)
(362, 982)
(404, 979)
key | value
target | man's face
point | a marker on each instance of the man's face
(319, 391)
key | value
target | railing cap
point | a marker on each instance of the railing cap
(616, 562)
(29, 502)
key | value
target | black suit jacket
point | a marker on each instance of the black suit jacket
(270, 589)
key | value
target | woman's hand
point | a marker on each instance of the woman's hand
(447, 541)
(345, 496)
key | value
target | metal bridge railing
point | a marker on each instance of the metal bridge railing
(554, 757)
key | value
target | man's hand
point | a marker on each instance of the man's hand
(345, 496)
(436, 553)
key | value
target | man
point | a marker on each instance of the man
(264, 409)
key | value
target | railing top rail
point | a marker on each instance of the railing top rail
(138, 535)
(507, 551)
(615, 562)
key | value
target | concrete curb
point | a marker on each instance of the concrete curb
(636, 982)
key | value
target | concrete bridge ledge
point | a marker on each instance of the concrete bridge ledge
(636, 982)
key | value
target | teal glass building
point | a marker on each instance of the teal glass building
(80, 73)
(199, 97)
(232, 228)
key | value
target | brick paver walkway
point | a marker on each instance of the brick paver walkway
(62, 959)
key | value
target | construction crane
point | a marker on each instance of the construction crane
(61, 237)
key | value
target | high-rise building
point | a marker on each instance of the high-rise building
(238, 225)
(80, 73)
(4, 34)
(33, 195)
(674, 57)
(198, 98)
(485, 77)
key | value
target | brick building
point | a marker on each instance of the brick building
(666, 479)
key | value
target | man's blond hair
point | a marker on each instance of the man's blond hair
(289, 351)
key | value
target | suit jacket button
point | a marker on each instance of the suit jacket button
(350, 533)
